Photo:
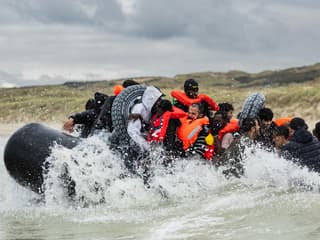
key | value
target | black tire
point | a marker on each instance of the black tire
(26, 152)
(121, 109)
(251, 107)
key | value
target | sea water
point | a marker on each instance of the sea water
(190, 200)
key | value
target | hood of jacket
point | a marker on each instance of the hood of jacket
(302, 135)
(150, 97)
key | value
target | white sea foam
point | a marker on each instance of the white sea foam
(192, 185)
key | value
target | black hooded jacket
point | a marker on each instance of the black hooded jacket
(304, 148)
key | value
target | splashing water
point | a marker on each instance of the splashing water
(189, 200)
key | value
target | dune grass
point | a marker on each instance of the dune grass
(56, 103)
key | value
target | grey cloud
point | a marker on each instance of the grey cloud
(237, 25)
(97, 38)
(80, 12)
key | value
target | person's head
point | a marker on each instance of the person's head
(129, 82)
(100, 98)
(296, 124)
(191, 88)
(228, 108)
(90, 104)
(280, 136)
(195, 111)
(250, 126)
(266, 116)
(220, 119)
(163, 106)
(316, 130)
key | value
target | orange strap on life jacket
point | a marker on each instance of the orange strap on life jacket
(232, 126)
(185, 100)
(178, 113)
(213, 105)
(189, 130)
(282, 121)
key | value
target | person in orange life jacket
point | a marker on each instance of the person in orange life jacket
(160, 120)
(191, 95)
(316, 131)
(228, 108)
(226, 133)
(233, 157)
(219, 131)
(193, 132)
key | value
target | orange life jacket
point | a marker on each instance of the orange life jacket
(189, 130)
(158, 127)
(185, 100)
(159, 124)
(232, 126)
(282, 121)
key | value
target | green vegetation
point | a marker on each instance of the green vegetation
(290, 92)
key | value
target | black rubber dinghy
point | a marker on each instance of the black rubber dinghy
(251, 107)
(27, 149)
(121, 109)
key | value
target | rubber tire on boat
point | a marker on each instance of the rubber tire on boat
(251, 107)
(26, 152)
(121, 109)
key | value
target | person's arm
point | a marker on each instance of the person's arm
(68, 125)
(133, 129)
(212, 104)
(226, 140)
(79, 118)
(84, 117)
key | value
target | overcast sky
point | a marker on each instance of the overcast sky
(53, 41)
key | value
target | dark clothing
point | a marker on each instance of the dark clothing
(199, 146)
(181, 106)
(232, 159)
(104, 119)
(304, 149)
(97, 118)
(86, 119)
(266, 137)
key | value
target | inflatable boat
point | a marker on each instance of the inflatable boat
(28, 148)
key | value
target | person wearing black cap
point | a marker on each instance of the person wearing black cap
(302, 148)
(191, 95)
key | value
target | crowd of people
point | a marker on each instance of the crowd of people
(193, 124)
